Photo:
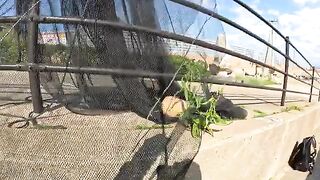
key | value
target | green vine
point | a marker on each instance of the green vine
(201, 112)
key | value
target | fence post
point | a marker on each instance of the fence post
(312, 81)
(32, 47)
(285, 79)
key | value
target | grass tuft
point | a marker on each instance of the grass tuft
(292, 108)
(257, 81)
(258, 113)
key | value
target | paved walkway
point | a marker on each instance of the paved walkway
(72, 146)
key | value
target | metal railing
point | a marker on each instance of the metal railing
(34, 67)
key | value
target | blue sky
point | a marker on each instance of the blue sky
(178, 14)
(44, 7)
(297, 19)
(45, 10)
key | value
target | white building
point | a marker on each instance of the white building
(53, 38)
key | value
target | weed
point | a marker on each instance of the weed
(258, 113)
(257, 81)
(200, 67)
(220, 91)
(292, 108)
(201, 112)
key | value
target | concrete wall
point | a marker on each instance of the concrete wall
(253, 149)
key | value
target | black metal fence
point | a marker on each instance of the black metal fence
(33, 19)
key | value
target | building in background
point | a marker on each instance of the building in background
(53, 38)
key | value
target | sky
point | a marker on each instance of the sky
(8, 9)
(297, 19)
(177, 13)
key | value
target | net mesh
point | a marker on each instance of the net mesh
(121, 102)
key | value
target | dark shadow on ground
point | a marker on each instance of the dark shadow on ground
(316, 169)
(147, 161)
(104, 100)
(154, 159)
(24, 122)
(195, 172)
(96, 101)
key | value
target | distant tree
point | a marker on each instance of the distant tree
(21, 29)
(10, 53)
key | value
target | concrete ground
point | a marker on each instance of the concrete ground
(65, 145)
(289, 174)
(73, 146)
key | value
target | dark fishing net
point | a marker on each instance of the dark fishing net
(163, 153)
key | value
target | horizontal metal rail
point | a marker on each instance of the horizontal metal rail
(11, 19)
(236, 25)
(138, 73)
(260, 17)
(76, 20)
(130, 73)
(89, 70)
(164, 34)
(226, 20)
(300, 54)
(270, 25)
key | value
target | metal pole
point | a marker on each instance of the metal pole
(285, 79)
(312, 81)
(166, 34)
(319, 96)
(133, 73)
(32, 58)
(213, 14)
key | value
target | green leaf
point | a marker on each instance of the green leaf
(196, 121)
(209, 131)
(195, 131)
(201, 112)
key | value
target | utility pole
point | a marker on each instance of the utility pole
(270, 40)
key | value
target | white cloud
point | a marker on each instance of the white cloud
(303, 2)
(301, 25)
(252, 23)
(273, 12)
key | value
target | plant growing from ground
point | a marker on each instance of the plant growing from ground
(257, 81)
(199, 66)
(292, 108)
(258, 113)
(220, 91)
(9, 47)
(201, 112)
